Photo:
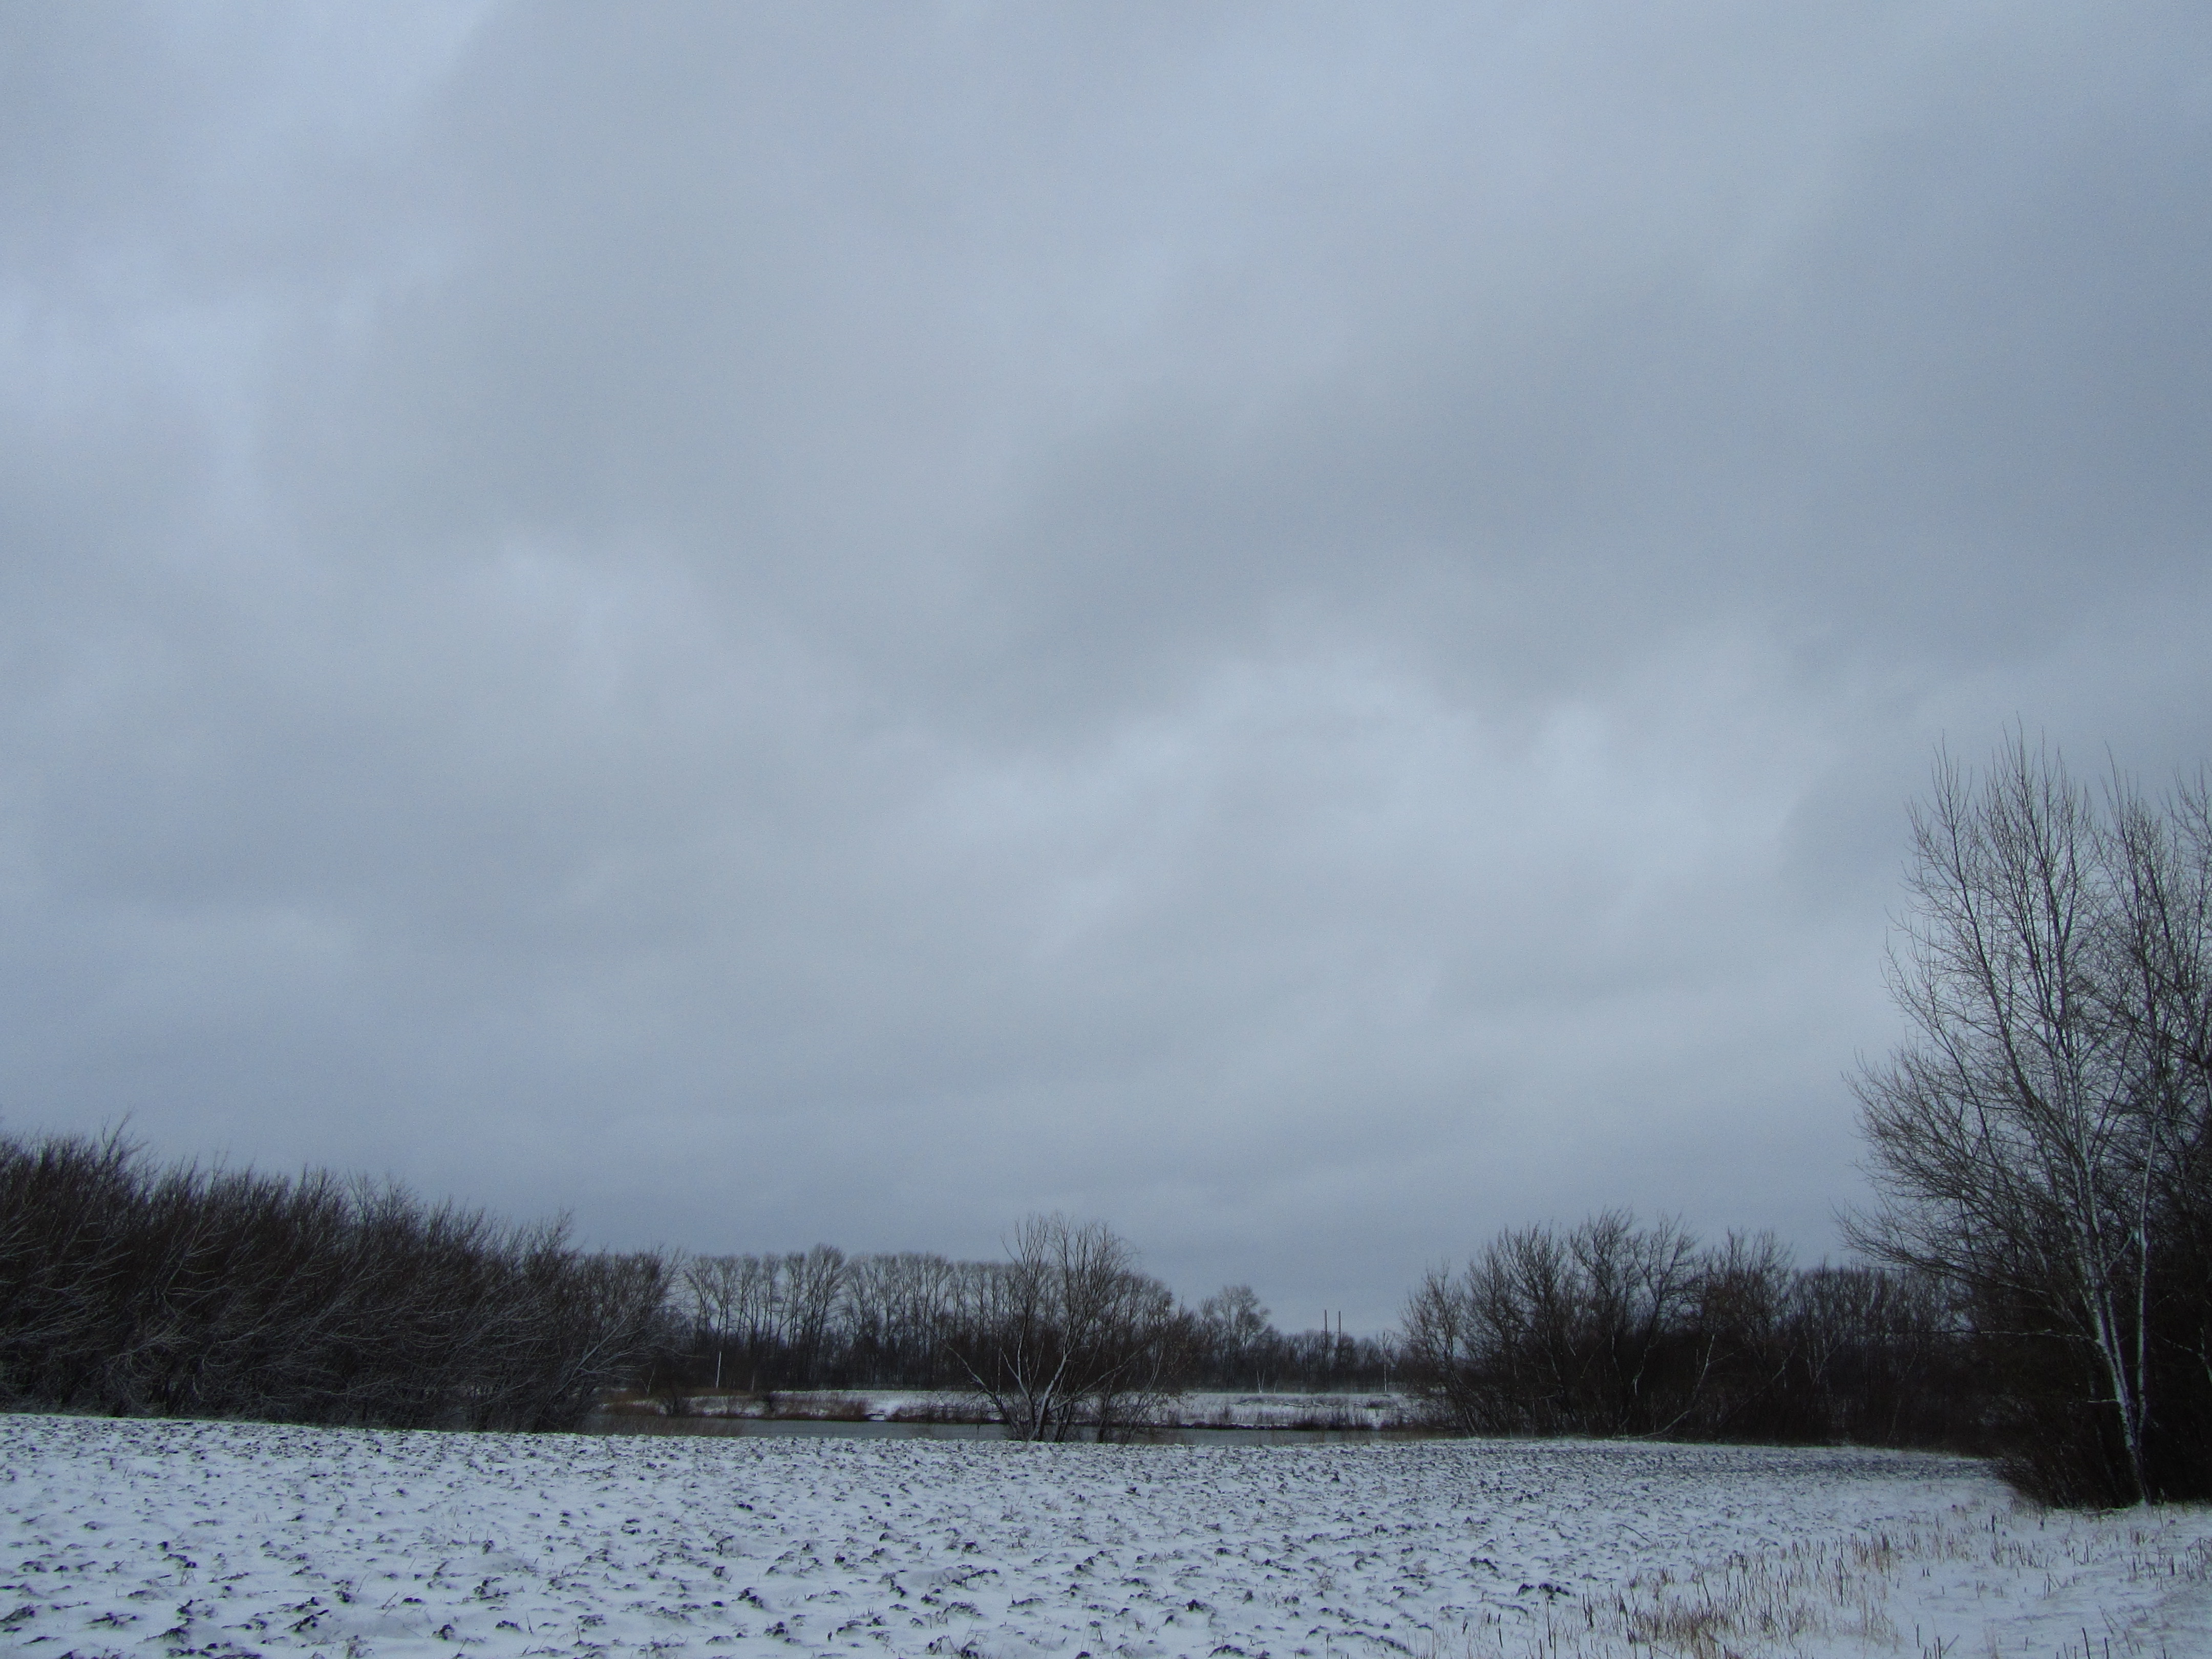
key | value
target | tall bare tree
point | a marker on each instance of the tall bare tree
(716, 1285)
(2038, 1141)
(1234, 1325)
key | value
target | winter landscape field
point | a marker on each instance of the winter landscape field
(229, 1539)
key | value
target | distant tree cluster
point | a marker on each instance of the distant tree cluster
(822, 1319)
(131, 1288)
(1610, 1329)
(1239, 1350)
(1064, 1337)
(2043, 1146)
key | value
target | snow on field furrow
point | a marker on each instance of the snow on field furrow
(152, 1538)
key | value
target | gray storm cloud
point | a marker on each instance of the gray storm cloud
(1303, 629)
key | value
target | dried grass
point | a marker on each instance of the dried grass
(1818, 1597)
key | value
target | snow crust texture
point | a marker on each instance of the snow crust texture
(173, 1538)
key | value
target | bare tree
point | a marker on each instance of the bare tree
(716, 1285)
(813, 1290)
(1235, 1326)
(1067, 1334)
(2038, 1138)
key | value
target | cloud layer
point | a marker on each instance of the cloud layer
(1303, 629)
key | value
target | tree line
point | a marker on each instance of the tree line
(1611, 1328)
(131, 1288)
(822, 1319)
(1607, 1328)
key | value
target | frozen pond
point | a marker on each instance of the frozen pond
(896, 1429)
(1356, 1414)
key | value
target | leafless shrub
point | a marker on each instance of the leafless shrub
(1068, 1337)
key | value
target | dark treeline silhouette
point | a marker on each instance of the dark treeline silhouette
(132, 1289)
(1606, 1329)
(822, 1319)
(128, 1287)
(1610, 1329)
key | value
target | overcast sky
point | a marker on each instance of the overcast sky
(1303, 629)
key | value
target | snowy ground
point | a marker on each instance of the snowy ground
(225, 1539)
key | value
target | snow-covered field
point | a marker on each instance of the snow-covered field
(151, 1538)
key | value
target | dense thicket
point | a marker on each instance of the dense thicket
(2043, 1146)
(131, 1289)
(1609, 1328)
